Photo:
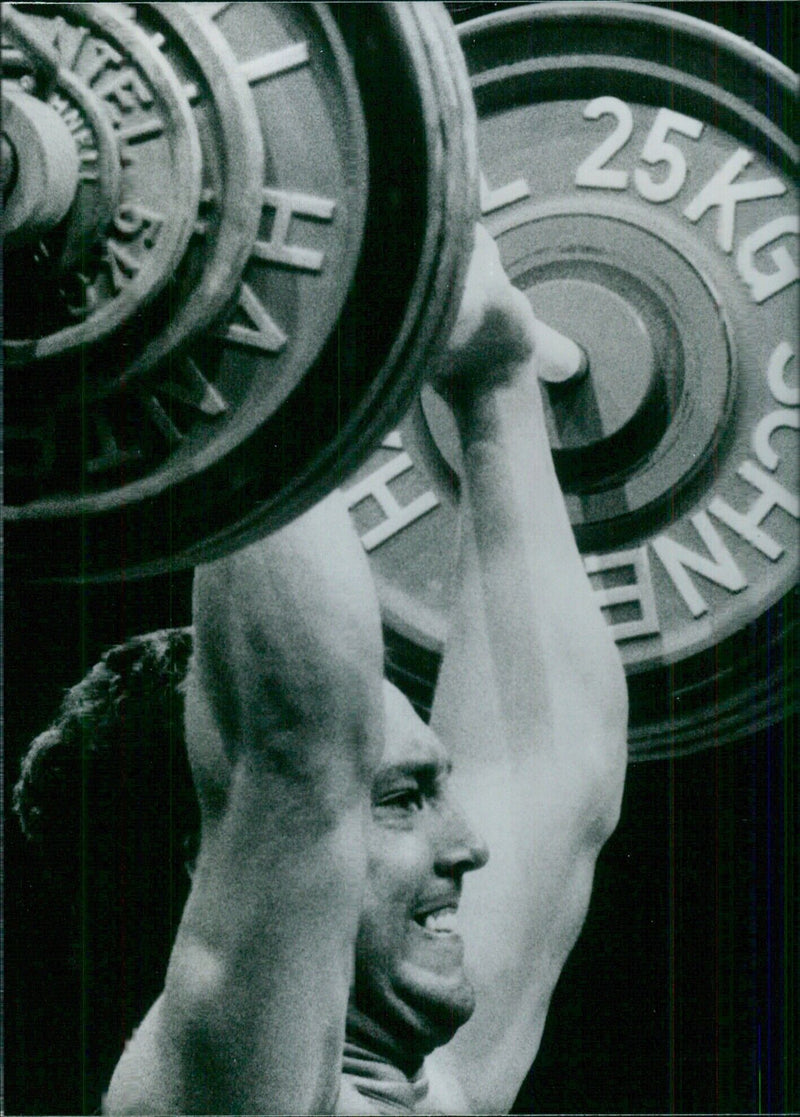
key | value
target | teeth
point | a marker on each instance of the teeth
(442, 922)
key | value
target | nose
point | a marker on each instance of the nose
(559, 359)
(459, 847)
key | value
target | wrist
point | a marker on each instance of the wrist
(488, 409)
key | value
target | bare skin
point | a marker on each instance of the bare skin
(334, 901)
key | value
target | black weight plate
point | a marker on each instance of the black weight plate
(640, 181)
(233, 178)
(61, 297)
(282, 422)
(148, 475)
(423, 204)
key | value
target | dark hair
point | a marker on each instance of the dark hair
(105, 797)
(113, 762)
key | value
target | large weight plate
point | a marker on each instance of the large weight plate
(226, 224)
(59, 297)
(405, 294)
(232, 183)
(640, 181)
(289, 405)
(147, 476)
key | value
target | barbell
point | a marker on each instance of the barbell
(287, 194)
(251, 244)
(641, 185)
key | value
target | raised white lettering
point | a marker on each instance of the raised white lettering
(776, 375)
(88, 159)
(133, 220)
(720, 568)
(275, 62)
(640, 591)
(764, 284)
(69, 41)
(287, 204)
(122, 265)
(80, 298)
(95, 55)
(721, 190)
(72, 118)
(264, 334)
(192, 92)
(746, 524)
(492, 200)
(193, 389)
(125, 91)
(143, 130)
(657, 150)
(593, 171)
(162, 421)
(397, 516)
(761, 435)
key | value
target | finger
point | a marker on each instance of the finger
(559, 359)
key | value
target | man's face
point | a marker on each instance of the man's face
(410, 979)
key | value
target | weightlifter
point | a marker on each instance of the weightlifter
(333, 956)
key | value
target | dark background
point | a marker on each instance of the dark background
(680, 995)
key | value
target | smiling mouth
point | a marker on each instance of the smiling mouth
(439, 922)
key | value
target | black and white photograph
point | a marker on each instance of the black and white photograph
(401, 492)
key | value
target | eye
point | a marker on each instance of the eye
(405, 799)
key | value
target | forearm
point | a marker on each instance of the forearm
(531, 696)
(251, 1019)
(256, 993)
(524, 618)
(284, 726)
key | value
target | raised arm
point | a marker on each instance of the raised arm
(284, 721)
(531, 697)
